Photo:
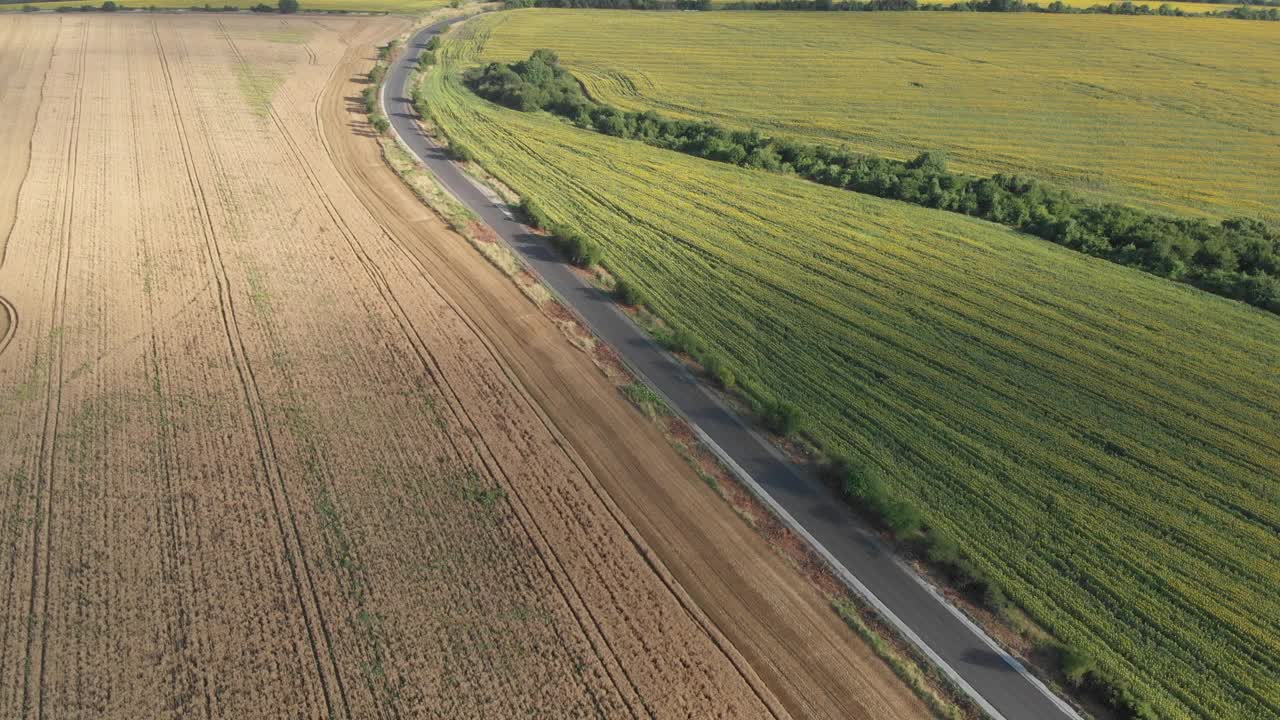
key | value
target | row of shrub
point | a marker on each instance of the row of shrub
(1127, 7)
(1057, 6)
(386, 54)
(428, 56)
(578, 248)
(1245, 12)
(1237, 258)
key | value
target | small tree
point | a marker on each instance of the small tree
(781, 417)
(582, 250)
(627, 293)
(931, 161)
(1076, 664)
(902, 517)
(380, 123)
(717, 368)
(288, 6)
(459, 152)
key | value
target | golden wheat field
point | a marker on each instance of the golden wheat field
(256, 462)
(408, 7)
(1176, 114)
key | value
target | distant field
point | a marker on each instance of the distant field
(1104, 442)
(411, 7)
(1176, 114)
(1191, 7)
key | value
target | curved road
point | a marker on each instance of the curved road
(996, 681)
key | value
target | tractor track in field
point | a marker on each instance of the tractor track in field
(605, 654)
(9, 313)
(42, 528)
(308, 600)
(589, 624)
(178, 534)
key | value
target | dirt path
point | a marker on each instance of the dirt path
(256, 462)
(784, 629)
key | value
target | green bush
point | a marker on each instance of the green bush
(387, 51)
(627, 293)
(583, 251)
(718, 369)
(1076, 664)
(532, 214)
(862, 482)
(460, 152)
(579, 249)
(380, 123)
(993, 596)
(943, 550)
(781, 417)
(680, 341)
(646, 399)
(902, 517)
(866, 486)
(727, 379)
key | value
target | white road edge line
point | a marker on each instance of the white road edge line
(838, 568)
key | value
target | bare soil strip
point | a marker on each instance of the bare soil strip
(257, 462)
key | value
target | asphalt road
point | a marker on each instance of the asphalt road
(995, 681)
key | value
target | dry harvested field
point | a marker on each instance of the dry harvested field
(258, 461)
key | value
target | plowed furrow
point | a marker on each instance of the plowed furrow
(42, 538)
(286, 521)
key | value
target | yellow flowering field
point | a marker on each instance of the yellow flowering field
(1103, 442)
(1174, 114)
